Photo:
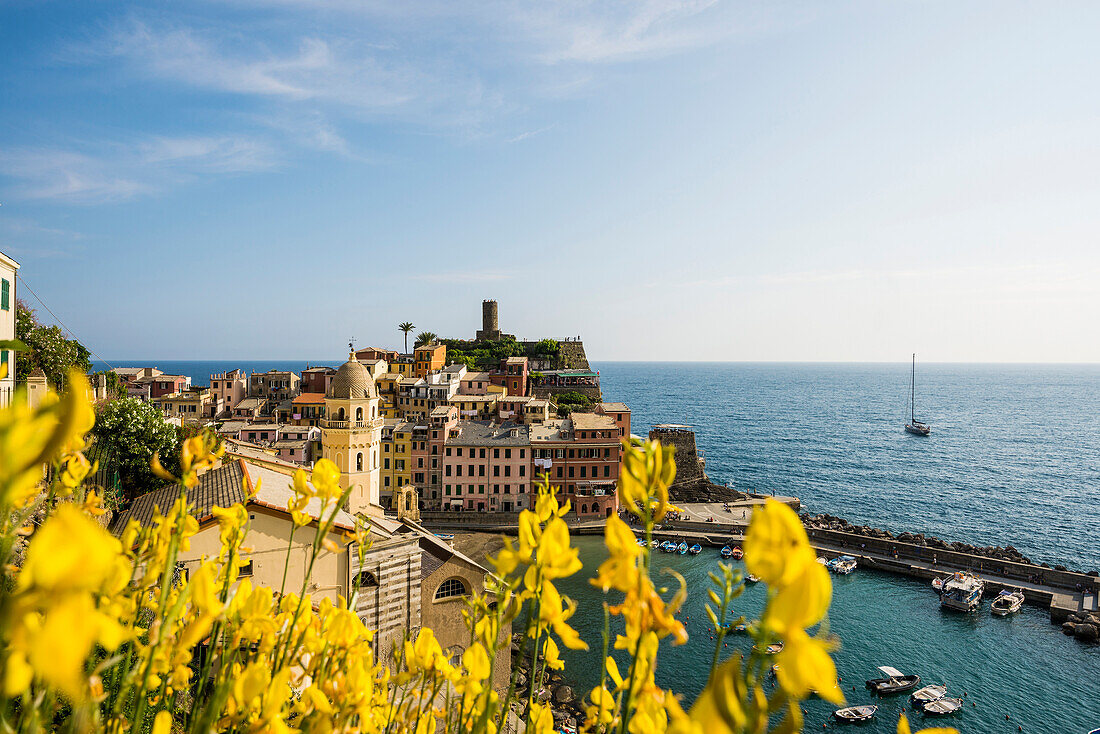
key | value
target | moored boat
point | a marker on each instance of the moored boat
(682, 549)
(853, 714)
(750, 579)
(736, 553)
(894, 682)
(654, 544)
(914, 426)
(1007, 602)
(928, 693)
(695, 549)
(774, 649)
(962, 592)
(842, 565)
(823, 561)
(941, 706)
(937, 584)
(726, 552)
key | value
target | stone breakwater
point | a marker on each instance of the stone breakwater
(1085, 626)
(552, 689)
(996, 552)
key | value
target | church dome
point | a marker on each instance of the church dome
(352, 381)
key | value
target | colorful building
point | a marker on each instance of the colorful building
(228, 388)
(8, 270)
(308, 408)
(396, 458)
(486, 467)
(429, 358)
(351, 433)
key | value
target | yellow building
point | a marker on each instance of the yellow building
(404, 365)
(476, 407)
(396, 459)
(387, 394)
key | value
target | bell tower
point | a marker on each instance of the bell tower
(351, 433)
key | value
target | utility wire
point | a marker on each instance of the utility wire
(58, 319)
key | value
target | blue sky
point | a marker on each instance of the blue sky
(669, 179)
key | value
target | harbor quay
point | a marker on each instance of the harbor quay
(1064, 593)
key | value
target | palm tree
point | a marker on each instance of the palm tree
(406, 326)
(425, 337)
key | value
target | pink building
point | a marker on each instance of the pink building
(162, 385)
(486, 467)
(228, 389)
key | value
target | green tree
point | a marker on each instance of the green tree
(131, 431)
(47, 348)
(406, 326)
(425, 337)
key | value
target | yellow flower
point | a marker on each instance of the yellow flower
(553, 614)
(230, 521)
(903, 728)
(803, 602)
(620, 570)
(551, 655)
(70, 552)
(720, 708)
(648, 470)
(542, 719)
(326, 479)
(163, 723)
(805, 665)
(424, 654)
(776, 546)
(556, 556)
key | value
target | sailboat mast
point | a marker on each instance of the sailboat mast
(913, 391)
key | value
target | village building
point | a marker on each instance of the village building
(429, 358)
(351, 433)
(8, 270)
(194, 406)
(308, 409)
(161, 385)
(396, 458)
(228, 389)
(274, 385)
(316, 379)
(486, 466)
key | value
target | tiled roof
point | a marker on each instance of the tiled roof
(489, 433)
(310, 398)
(616, 407)
(219, 487)
(592, 421)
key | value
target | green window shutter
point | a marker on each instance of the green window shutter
(5, 295)
(3, 354)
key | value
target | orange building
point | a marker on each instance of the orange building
(429, 358)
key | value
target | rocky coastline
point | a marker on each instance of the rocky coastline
(553, 690)
(825, 521)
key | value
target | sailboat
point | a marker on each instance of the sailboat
(914, 426)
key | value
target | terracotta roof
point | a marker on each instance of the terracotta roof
(309, 398)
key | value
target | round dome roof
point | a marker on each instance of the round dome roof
(353, 381)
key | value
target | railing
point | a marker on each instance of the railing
(371, 423)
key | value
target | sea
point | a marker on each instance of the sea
(1013, 459)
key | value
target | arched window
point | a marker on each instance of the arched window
(359, 462)
(358, 415)
(340, 462)
(450, 588)
(372, 409)
(366, 578)
(340, 414)
(584, 509)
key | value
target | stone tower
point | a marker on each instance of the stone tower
(490, 325)
(351, 434)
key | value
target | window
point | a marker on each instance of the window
(496, 453)
(507, 453)
(607, 470)
(522, 455)
(366, 578)
(482, 454)
(246, 569)
(5, 295)
(450, 588)
(359, 462)
(458, 451)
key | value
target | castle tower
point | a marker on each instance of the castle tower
(490, 325)
(351, 434)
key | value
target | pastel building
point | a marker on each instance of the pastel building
(582, 456)
(8, 270)
(396, 458)
(228, 389)
(276, 385)
(486, 467)
(429, 358)
(512, 375)
(316, 379)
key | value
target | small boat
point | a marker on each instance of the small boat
(941, 706)
(914, 426)
(736, 552)
(682, 549)
(854, 714)
(962, 592)
(726, 552)
(750, 579)
(928, 693)
(695, 549)
(740, 627)
(774, 649)
(894, 682)
(823, 561)
(937, 583)
(445, 536)
(642, 543)
(1007, 602)
(843, 565)
(654, 544)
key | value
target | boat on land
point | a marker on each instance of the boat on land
(914, 426)
(894, 682)
(928, 693)
(962, 592)
(445, 536)
(1007, 602)
(842, 565)
(695, 549)
(726, 552)
(855, 714)
(941, 706)
(682, 549)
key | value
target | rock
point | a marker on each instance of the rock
(1068, 628)
(1086, 633)
(521, 680)
(1059, 567)
(564, 694)
(515, 649)
(1093, 573)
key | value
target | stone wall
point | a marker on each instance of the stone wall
(546, 393)
(689, 467)
(571, 356)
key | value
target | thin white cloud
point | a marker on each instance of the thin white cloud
(465, 276)
(115, 172)
(529, 134)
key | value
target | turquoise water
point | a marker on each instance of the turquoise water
(1021, 665)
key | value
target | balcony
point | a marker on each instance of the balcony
(353, 425)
